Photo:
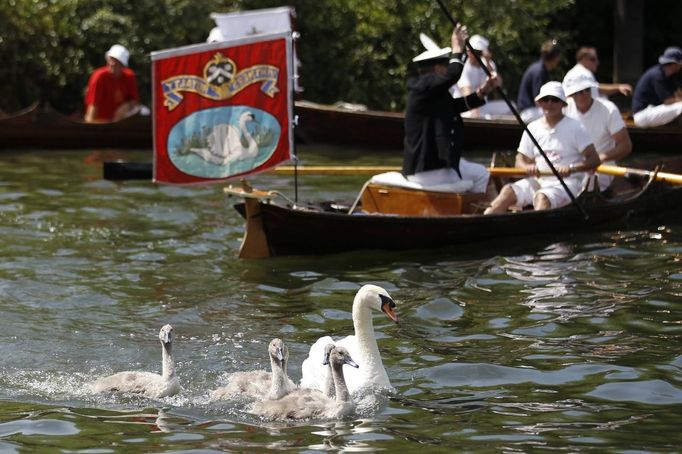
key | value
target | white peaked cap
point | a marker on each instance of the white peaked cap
(433, 54)
(427, 42)
(577, 83)
(120, 53)
(552, 88)
(433, 50)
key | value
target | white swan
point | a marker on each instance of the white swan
(146, 383)
(225, 142)
(362, 346)
(259, 383)
(311, 403)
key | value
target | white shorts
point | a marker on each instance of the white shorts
(657, 115)
(526, 189)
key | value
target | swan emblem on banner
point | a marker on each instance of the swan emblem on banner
(204, 144)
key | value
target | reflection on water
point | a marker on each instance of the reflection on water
(568, 343)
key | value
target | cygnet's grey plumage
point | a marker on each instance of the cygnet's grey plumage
(146, 383)
(329, 387)
(306, 403)
(260, 384)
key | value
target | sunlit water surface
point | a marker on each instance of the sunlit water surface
(567, 343)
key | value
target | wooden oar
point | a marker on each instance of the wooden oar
(672, 178)
(126, 170)
(131, 170)
(336, 170)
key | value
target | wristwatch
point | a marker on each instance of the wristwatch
(458, 56)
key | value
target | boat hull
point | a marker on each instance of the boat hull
(48, 129)
(318, 123)
(292, 231)
(384, 130)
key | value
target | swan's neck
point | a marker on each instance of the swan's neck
(364, 330)
(253, 146)
(342, 395)
(168, 364)
(245, 130)
(329, 386)
(277, 379)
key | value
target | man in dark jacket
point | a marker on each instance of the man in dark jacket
(433, 126)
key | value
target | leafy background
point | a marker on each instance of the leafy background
(351, 50)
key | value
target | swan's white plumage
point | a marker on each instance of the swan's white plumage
(260, 384)
(306, 403)
(225, 142)
(146, 383)
(362, 346)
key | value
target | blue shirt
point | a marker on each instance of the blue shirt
(535, 77)
(652, 89)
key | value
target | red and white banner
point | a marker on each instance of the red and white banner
(222, 110)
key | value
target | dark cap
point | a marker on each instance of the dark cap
(671, 55)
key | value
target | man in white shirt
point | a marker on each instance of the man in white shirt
(587, 64)
(566, 144)
(602, 120)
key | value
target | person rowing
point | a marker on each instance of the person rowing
(567, 145)
(602, 120)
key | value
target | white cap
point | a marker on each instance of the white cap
(479, 43)
(433, 54)
(578, 82)
(120, 53)
(552, 88)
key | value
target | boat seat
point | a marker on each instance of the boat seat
(440, 180)
(393, 194)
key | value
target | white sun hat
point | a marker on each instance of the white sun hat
(552, 88)
(120, 53)
(479, 43)
(579, 82)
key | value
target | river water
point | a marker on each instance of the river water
(570, 343)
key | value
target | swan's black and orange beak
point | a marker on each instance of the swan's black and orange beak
(388, 307)
(279, 354)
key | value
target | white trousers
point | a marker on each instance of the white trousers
(658, 115)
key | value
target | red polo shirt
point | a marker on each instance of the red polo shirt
(107, 92)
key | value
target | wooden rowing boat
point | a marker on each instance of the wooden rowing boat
(384, 130)
(36, 127)
(275, 226)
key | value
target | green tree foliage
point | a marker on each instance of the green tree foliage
(48, 48)
(353, 50)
